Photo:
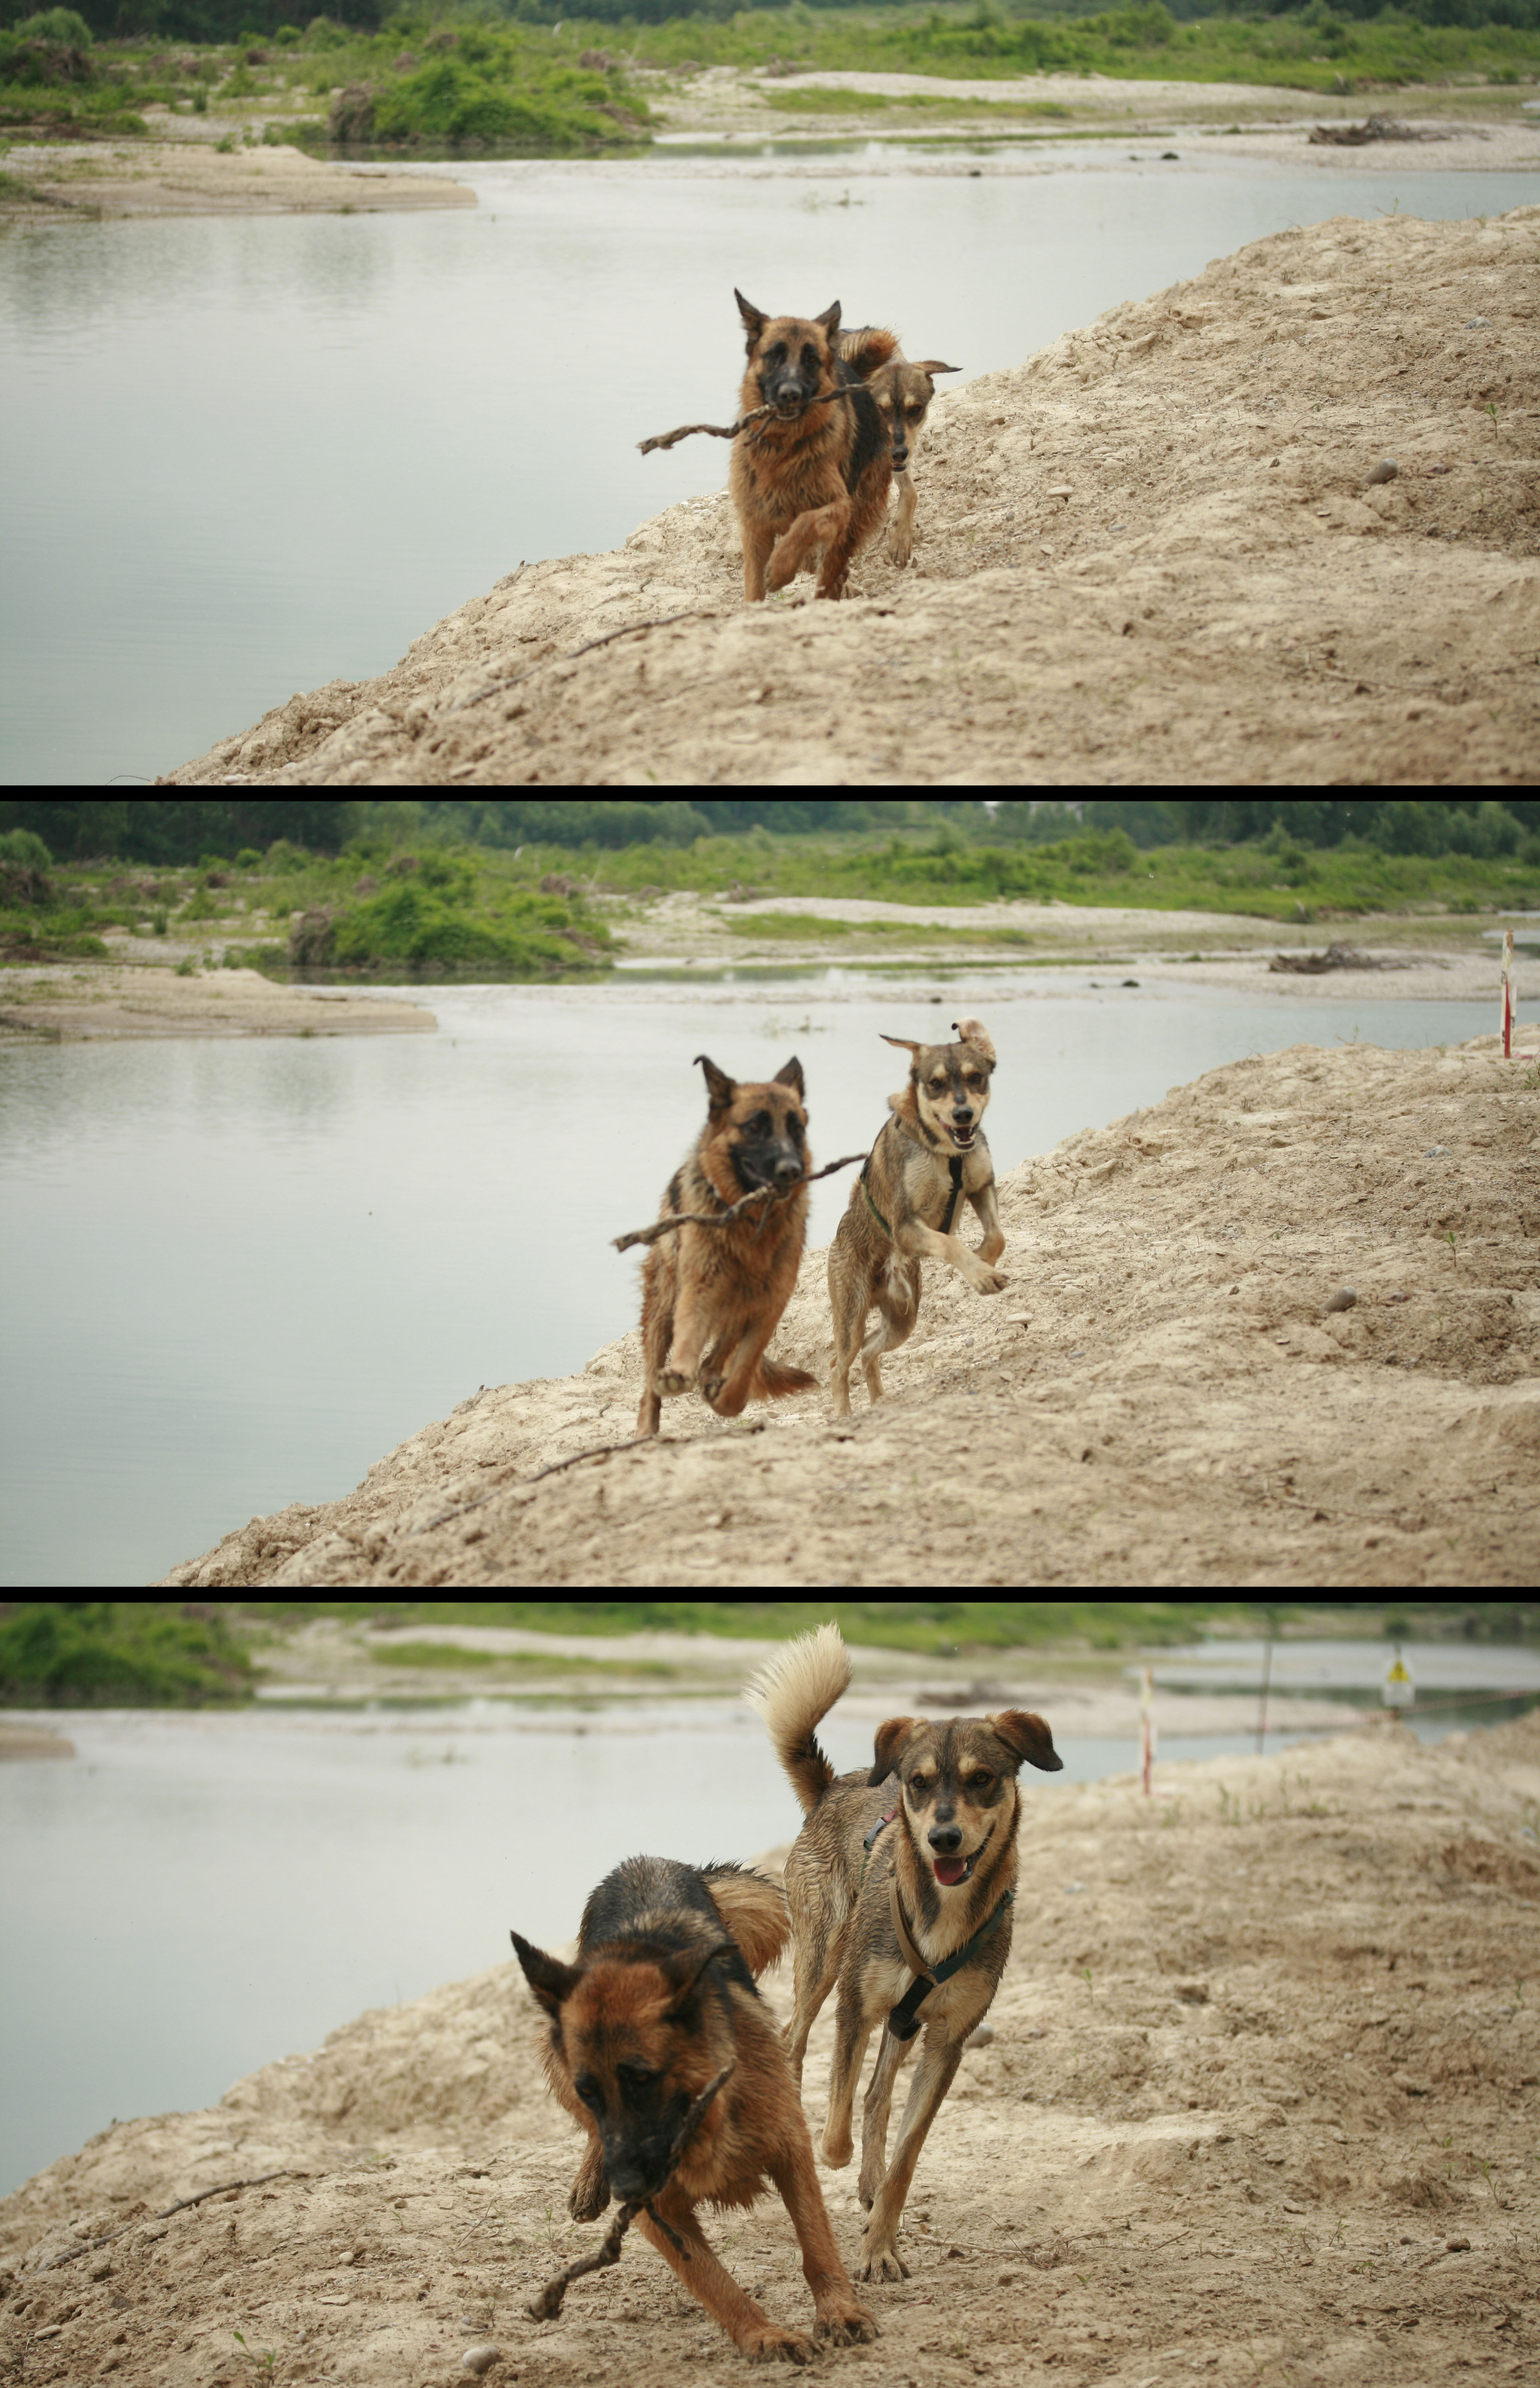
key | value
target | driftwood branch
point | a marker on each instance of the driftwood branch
(734, 1210)
(548, 2305)
(89, 2246)
(731, 430)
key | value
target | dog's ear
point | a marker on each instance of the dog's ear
(792, 1076)
(974, 1031)
(935, 365)
(684, 1968)
(755, 319)
(830, 320)
(889, 1747)
(1027, 1738)
(552, 1982)
(719, 1087)
(908, 1043)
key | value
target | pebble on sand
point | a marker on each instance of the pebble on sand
(1386, 470)
(1344, 1299)
(480, 2359)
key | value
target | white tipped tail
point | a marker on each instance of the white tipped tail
(793, 1692)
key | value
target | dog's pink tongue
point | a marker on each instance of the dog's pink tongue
(950, 1870)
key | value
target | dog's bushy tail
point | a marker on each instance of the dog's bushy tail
(772, 1380)
(793, 1692)
(753, 1910)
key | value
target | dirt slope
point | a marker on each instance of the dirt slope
(1150, 555)
(1260, 2107)
(1159, 1396)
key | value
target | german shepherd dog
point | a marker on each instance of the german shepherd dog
(712, 1296)
(806, 477)
(903, 392)
(662, 1998)
(902, 1206)
(886, 1885)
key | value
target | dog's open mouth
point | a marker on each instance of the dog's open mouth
(949, 1872)
(962, 1137)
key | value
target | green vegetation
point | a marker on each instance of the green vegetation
(1313, 48)
(525, 1662)
(510, 887)
(119, 1654)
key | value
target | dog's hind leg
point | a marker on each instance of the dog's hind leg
(880, 2259)
(684, 2249)
(896, 1294)
(891, 2053)
(814, 1981)
(852, 2030)
(657, 1326)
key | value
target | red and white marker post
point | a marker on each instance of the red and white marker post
(1507, 994)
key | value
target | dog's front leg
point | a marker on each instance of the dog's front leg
(880, 2259)
(750, 2328)
(900, 537)
(919, 1243)
(758, 540)
(726, 1371)
(983, 1203)
(841, 2315)
(874, 2113)
(691, 1323)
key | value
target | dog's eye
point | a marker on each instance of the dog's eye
(980, 1781)
(635, 2076)
(810, 361)
(590, 2091)
(914, 412)
(760, 1123)
(919, 1785)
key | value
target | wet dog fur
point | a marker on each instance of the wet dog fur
(950, 1846)
(908, 1181)
(662, 1997)
(903, 392)
(712, 1296)
(806, 480)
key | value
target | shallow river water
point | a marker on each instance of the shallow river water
(251, 454)
(239, 1273)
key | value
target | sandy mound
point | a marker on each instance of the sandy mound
(189, 176)
(1254, 2109)
(147, 999)
(1160, 1397)
(1150, 555)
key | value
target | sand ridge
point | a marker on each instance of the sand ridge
(1258, 2107)
(1151, 556)
(1161, 1395)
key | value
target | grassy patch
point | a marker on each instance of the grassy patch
(931, 867)
(824, 99)
(813, 927)
(526, 1662)
(119, 1654)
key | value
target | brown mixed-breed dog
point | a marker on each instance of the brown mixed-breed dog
(929, 1154)
(899, 1875)
(903, 392)
(661, 2001)
(811, 476)
(712, 1296)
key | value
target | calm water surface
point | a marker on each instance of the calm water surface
(247, 1884)
(252, 454)
(240, 1272)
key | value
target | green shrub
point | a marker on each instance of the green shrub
(24, 846)
(248, 858)
(117, 1653)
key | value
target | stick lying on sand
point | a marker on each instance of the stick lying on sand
(548, 2305)
(725, 1218)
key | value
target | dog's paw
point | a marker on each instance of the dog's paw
(989, 1281)
(672, 1380)
(880, 2263)
(849, 2325)
(767, 2344)
(586, 2205)
(837, 2150)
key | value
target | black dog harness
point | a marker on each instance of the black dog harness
(955, 1166)
(904, 2020)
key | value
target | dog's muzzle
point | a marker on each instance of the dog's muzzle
(962, 1133)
